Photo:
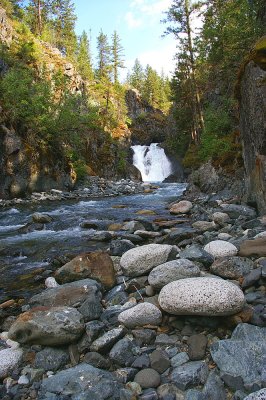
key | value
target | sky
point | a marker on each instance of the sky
(137, 23)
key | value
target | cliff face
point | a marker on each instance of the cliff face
(253, 127)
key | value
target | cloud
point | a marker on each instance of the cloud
(132, 21)
(151, 7)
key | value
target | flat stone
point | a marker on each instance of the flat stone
(241, 358)
(197, 254)
(94, 265)
(201, 296)
(81, 382)
(197, 347)
(140, 315)
(221, 248)
(172, 271)
(182, 207)
(190, 374)
(9, 360)
(48, 326)
(231, 267)
(51, 359)
(104, 343)
(255, 247)
(148, 378)
(141, 260)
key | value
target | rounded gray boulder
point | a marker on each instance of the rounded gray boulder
(140, 315)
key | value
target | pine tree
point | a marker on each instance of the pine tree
(136, 78)
(84, 57)
(117, 56)
(103, 70)
(38, 11)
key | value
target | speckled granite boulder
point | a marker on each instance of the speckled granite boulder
(260, 395)
(140, 315)
(172, 271)
(201, 296)
(9, 359)
(221, 248)
(141, 260)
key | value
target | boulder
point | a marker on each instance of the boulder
(41, 218)
(231, 267)
(241, 358)
(182, 207)
(81, 382)
(96, 265)
(51, 326)
(220, 218)
(9, 360)
(172, 271)
(255, 247)
(140, 315)
(221, 248)
(201, 296)
(141, 260)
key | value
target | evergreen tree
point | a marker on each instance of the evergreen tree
(103, 70)
(117, 56)
(37, 15)
(136, 78)
(84, 57)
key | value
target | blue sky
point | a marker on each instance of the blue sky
(138, 25)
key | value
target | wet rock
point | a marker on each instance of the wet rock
(172, 271)
(9, 360)
(255, 247)
(232, 267)
(190, 374)
(104, 343)
(159, 361)
(182, 207)
(76, 384)
(235, 211)
(31, 227)
(41, 218)
(141, 260)
(95, 265)
(201, 296)
(48, 326)
(197, 254)
(221, 248)
(140, 315)
(197, 347)
(240, 359)
(51, 359)
(123, 352)
(96, 360)
(148, 378)
(119, 247)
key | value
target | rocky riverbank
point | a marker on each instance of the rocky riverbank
(174, 309)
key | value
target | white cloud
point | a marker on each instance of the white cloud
(132, 21)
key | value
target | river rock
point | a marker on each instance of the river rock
(201, 296)
(107, 340)
(172, 271)
(231, 267)
(133, 226)
(52, 326)
(241, 358)
(96, 360)
(119, 247)
(197, 347)
(236, 210)
(203, 226)
(96, 265)
(221, 248)
(93, 330)
(9, 360)
(220, 218)
(259, 395)
(140, 315)
(197, 254)
(182, 207)
(51, 359)
(123, 352)
(141, 260)
(190, 374)
(41, 218)
(178, 234)
(255, 247)
(148, 378)
(69, 294)
(81, 382)
(214, 387)
(159, 361)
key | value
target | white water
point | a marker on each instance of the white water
(152, 162)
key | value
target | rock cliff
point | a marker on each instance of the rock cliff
(253, 124)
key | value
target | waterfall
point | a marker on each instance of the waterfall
(152, 162)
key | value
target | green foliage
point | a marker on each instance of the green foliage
(122, 161)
